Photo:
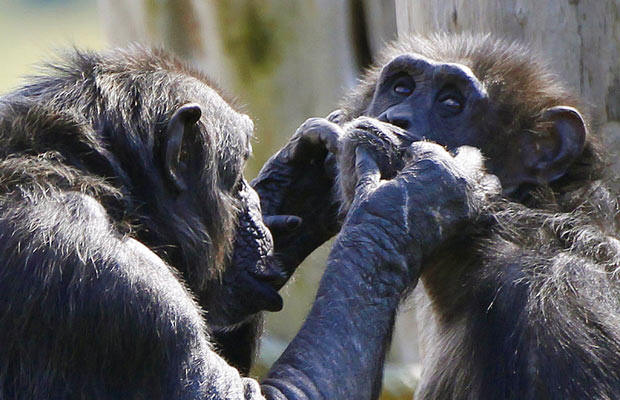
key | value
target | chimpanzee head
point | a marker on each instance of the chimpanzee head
(160, 132)
(479, 91)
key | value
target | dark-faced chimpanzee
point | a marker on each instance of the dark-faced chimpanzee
(525, 302)
(134, 258)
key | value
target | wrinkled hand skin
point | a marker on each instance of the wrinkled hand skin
(430, 201)
(387, 143)
(390, 227)
(299, 181)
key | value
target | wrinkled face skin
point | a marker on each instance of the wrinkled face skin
(251, 278)
(253, 275)
(225, 241)
(440, 102)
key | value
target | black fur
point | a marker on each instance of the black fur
(82, 181)
(527, 306)
(132, 270)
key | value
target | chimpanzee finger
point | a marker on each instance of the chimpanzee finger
(367, 170)
(336, 116)
(421, 150)
(316, 132)
(330, 139)
(282, 223)
(259, 294)
(327, 136)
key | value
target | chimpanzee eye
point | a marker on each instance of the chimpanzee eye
(403, 86)
(403, 90)
(451, 99)
(451, 103)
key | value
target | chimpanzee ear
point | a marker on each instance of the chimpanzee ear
(181, 123)
(548, 157)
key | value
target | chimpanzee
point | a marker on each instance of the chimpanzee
(134, 259)
(525, 302)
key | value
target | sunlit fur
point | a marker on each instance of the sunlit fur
(112, 110)
(85, 309)
(528, 304)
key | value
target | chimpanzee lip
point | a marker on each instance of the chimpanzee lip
(268, 296)
(270, 270)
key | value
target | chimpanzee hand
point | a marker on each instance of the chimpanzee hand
(386, 142)
(429, 202)
(297, 192)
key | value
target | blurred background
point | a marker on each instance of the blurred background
(288, 60)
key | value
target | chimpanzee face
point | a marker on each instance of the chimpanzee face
(207, 146)
(440, 102)
(448, 104)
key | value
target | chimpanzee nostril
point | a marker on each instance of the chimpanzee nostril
(400, 122)
(396, 117)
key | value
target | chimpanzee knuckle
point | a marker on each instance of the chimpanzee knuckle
(382, 202)
(370, 130)
(307, 129)
(435, 189)
(364, 123)
(433, 170)
(320, 130)
(311, 124)
(430, 158)
(381, 219)
(336, 116)
(331, 138)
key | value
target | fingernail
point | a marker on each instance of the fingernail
(293, 222)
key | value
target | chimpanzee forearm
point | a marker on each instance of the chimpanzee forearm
(339, 351)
